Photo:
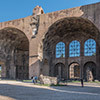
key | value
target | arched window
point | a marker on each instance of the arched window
(60, 50)
(90, 47)
(74, 49)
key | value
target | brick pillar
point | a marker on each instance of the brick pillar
(97, 61)
(52, 61)
(82, 58)
(66, 60)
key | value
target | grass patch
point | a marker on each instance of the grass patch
(84, 81)
(42, 84)
(73, 81)
(50, 85)
(7, 79)
(27, 80)
(60, 84)
(94, 82)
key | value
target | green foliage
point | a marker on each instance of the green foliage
(27, 80)
(43, 84)
(94, 54)
(62, 55)
(0, 72)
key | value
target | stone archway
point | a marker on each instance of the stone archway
(67, 30)
(59, 70)
(14, 52)
(90, 71)
(74, 71)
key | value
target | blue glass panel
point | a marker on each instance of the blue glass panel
(60, 50)
(90, 47)
(74, 49)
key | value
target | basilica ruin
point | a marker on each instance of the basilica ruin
(64, 43)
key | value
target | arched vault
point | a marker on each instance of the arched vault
(14, 52)
(66, 30)
(69, 27)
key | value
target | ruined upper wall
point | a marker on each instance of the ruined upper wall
(91, 12)
(22, 24)
(27, 25)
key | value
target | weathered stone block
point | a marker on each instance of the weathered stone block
(48, 80)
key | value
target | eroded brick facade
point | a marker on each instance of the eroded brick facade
(31, 42)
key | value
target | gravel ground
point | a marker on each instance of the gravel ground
(14, 90)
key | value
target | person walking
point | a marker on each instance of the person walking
(82, 82)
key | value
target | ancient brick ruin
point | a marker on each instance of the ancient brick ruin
(64, 43)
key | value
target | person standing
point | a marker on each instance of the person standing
(33, 81)
(82, 82)
(35, 78)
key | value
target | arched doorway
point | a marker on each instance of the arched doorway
(14, 52)
(90, 71)
(74, 71)
(59, 70)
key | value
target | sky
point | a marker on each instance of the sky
(15, 9)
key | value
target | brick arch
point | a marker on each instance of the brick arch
(14, 45)
(74, 70)
(67, 29)
(14, 29)
(89, 71)
(22, 24)
(72, 24)
(59, 70)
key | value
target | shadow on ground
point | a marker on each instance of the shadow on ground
(32, 92)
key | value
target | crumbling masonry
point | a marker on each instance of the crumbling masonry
(28, 45)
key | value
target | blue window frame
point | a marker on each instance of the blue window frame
(74, 49)
(60, 50)
(90, 47)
